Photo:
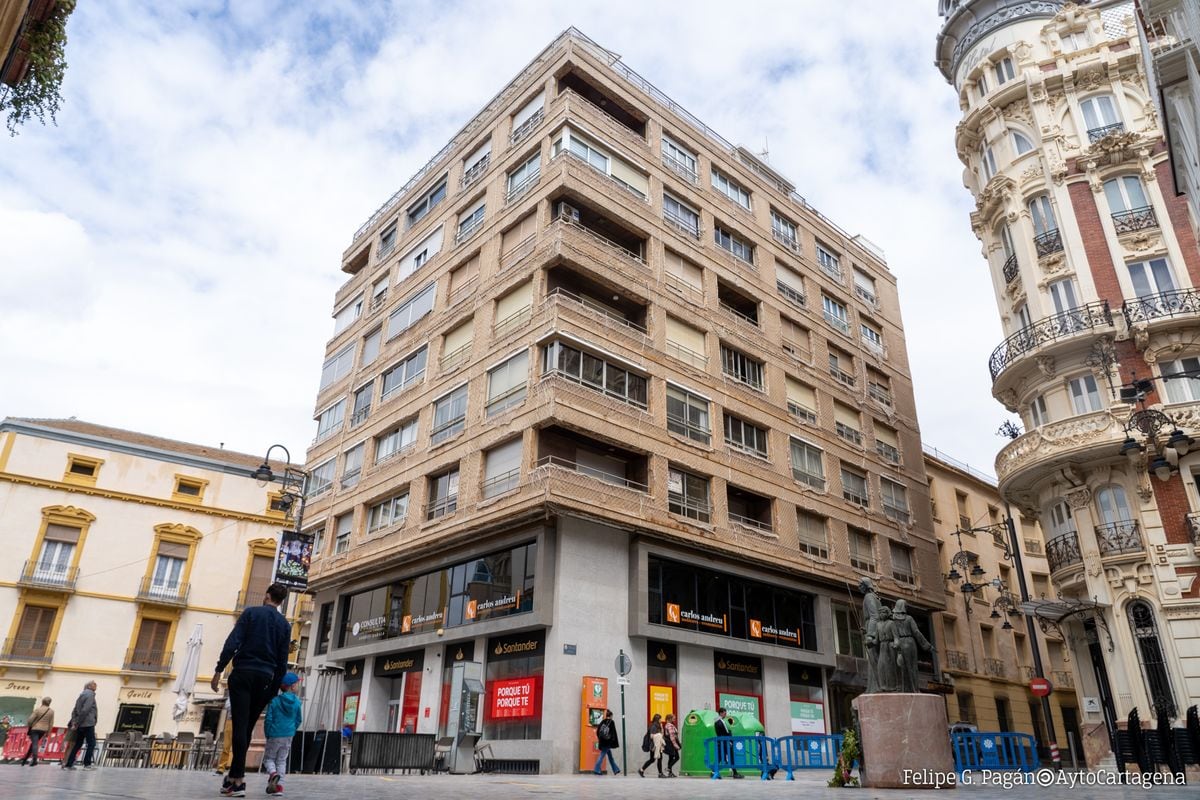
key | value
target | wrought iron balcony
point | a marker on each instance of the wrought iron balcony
(957, 660)
(1044, 331)
(138, 659)
(995, 667)
(168, 594)
(1063, 551)
(1119, 537)
(1048, 243)
(1135, 219)
(1011, 268)
(1165, 304)
(1096, 134)
(1063, 678)
(27, 651)
(38, 575)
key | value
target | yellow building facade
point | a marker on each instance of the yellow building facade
(118, 545)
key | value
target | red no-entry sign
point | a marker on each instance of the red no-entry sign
(1041, 687)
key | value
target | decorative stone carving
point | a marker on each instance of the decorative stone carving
(1030, 173)
(1114, 149)
(1145, 491)
(1045, 365)
(1057, 437)
(994, 197)
(1092, 565)
(1058, 170)
(1053, 266)
(1141, 336)
(1079, 498)
(1009, 399)
(1142, 241)
(1019, 110)
(1090, 80)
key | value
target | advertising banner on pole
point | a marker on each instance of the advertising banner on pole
(295, 554)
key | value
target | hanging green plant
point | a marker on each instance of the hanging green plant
(44, 46)
(843, 773)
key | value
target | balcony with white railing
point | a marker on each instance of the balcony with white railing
(48, 575)
(681, 169)
(476, 171)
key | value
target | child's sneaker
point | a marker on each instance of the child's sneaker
(273, 786)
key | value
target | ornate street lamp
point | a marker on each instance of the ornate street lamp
(291, 483)
(971, 571)
(1153, 425)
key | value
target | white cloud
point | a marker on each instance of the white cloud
(172, 247)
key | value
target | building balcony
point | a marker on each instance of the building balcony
(1048, 243)
(843, 377)
(37, 575)
(569, 482)
(1037, 336)
(1011, 268)
(27, 651)
(1062, 552)
(1163, 306)
(1118, 538)
(1026, 672)
(1136, 219)
(996, 667)
(578, 242)
(1096, 134)
(681, 169)
(957, 660)
(1063, 678)
(163, 594)
(602, 117)
(526, 128)
(156, 662)
(1037, 453)
(786, 239)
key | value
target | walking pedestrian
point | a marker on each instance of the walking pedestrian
(653, 738)
(83, 722)
(671, 744)
(258, 647)
(40, 721)
(725, 742)
(606, 739)
(283, 719)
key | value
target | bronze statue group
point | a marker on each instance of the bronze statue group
(892, 640)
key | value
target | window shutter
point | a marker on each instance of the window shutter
(502, 460)
(846, 415)
(510, 374)
(528, 110)
(479, 154)
(684, 270)
(886, 435)
(62, 533)
(801, 395)
(33, 632)
(629, 175)
(261, 576)
(514, 236)
(174, 550)
(684, 335)
(458, 338)
(515, 301)
(789, 278)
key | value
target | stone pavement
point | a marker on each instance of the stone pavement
(48, 782)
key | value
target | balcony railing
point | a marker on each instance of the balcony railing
(788, 293)
(516, 191)
(848, 433)
(27, 651)
(880, 394)
(897, 514)
(1048, 243)
(751, 522)
(786, 239)
(1165, 304)
(1096, 134)
(527, 127)
(681, 169)
(689, 228)
(1063, 678)
(48, 576)
(1026, 672)
(691, 508)
(1011, 268)
(838, 322)
(360, 416)
(866, 295)
(141, 660)
(595, 308)
(737, 314)
(171, 594)
(903, 575)
(1119, 537)
(1063, 551)
(843, 377)
(442, 507)
(599, 474)
(473, 174)
(1044, 331)
(958, 660)
(995, 667)
(1136, 219)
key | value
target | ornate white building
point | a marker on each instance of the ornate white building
(1094, 264)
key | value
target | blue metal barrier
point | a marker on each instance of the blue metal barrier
(750, 753)
(1014, 751)
(807, 751)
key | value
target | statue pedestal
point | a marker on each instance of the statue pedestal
(905, 741)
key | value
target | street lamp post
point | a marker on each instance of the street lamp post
(292, 482)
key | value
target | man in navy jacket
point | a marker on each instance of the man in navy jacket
(258, 646)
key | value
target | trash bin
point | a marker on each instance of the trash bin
(699, 725)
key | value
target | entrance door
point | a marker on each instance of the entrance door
(1070, 717)
(1103, 687)
(393, 723)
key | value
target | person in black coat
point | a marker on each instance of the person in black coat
(724, 749)
(606, 739)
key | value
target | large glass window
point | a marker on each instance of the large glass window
(443, 494)
(337, 366)
(418, 210)
(411, 311)
(596, 373)
(406, 372)
(1042, 214)
(681, 215)
(507, 383)
(687, 414)
(515, 666)
(1151, 277)
(395, 441)
(386, 513)
(331, 419)
(807, 466)
(737, 246)
(1113, 505)
(741, 367)
(745, 437)
(1182, 379)
(1099, 112)
(1125, 193)
(895, 500)
(731, 189)
(687, 495)
(449, 415)
(813, 534)
(854, 487)
(524, 175)
(1085, 394)
(502, 468)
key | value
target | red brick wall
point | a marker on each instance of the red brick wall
(1177, 212)
(1172, 508)
(1095, 246)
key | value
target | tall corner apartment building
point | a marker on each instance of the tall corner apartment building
(601, 382)
(1095, 268)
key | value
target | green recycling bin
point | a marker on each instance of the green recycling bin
(699, 725)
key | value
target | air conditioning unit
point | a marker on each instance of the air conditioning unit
(568, 211)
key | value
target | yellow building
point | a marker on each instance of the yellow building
(117, 545)
(985, 644)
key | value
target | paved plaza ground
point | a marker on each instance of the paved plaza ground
(48, 782)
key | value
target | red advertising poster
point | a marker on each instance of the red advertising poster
(515, 698)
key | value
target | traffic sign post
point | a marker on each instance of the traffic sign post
(1041, 687)
(624, 666)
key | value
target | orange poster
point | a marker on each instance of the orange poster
(591, 711)
(662, 700)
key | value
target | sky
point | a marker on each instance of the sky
(170, 251)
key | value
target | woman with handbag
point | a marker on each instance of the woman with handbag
(40, 721)
(652, 743)
(671, 744)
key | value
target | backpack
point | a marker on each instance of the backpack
(605, 731)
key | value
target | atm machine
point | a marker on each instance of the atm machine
(465, 723)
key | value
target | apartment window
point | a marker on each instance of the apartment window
(807, 465)
(854, 487)
(507, 383)
(734, 244)
(796, 339)
(1151, 277)
(150, 646)
(585, 151)
(1099, 112)
(387, 241)
(872, 337)
(352, 465)
(386, 513)
(887, 445)
(400, 438)
(1021, 143)
(679, 159)
(58, 551)
(847, 423)
(370, 347)
(411, 311)
(596, 373)
(749, 509)
(813, 535)
(525, 175)
(1004, 71)
(406, 372)
(981, 83)
(420, 209)
(344, 526)
(841, 367)
(469, 222)
(502, 468)
(687, 495)
(188, 489)
(419, 255)
(801, 401)
(687, 414)
(1042, 213)
(848, 632)
(449, 415)
(443, 494)
(379, 292)
(330, 420)
(1182, 379)
(1021, 312)
(1072, 41)
(862, 550)
(894, 497)
(1125, 194)
(902, 563)
(347, 314)
(514, 309)
(338, 366)
(1085, 394)
(828, 261)
(681, 216)
(682, 273)
(731, 189)
(784, 231)
(456, 344)
(789, 284)
(1037, 412)
(879, 387)
(836, 313)
(169, 563)
(462, 278)
(528, 117)
(864, 287)
(321, 477)
(741, 367)
(987, 160)
(476, 164)
(81, 469)
(964, 511)
(686, 343)
(745, 437)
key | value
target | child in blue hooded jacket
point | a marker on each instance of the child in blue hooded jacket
(283, 718)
